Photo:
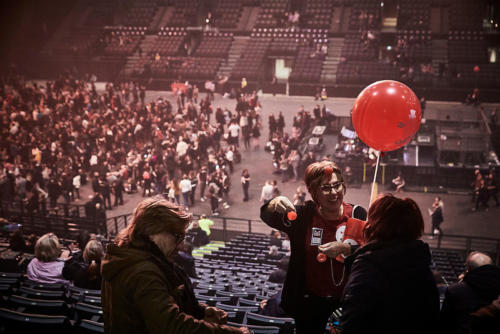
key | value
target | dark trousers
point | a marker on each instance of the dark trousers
(245, 191)
(118, 198)
(203, 186)
(214, 203)
(313, 314)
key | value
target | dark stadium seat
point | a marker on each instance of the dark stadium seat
(240, 311)
(212, 300)
(40, 294)
(247, 302)
(38, 306)
(285, 324)
(43, 286)
(257, 329)
(33, 323)
(91, 327)
(87, 311)
(233, 295)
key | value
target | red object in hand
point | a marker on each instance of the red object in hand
(292, 215)
(476, 69)
(328, 171)
(321, 257)
(386, 115)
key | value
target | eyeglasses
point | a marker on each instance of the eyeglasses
(179, 237)
(329, 187)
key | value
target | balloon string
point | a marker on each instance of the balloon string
(375, 176)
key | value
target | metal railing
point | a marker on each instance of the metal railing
(20, 207)
(227, 225)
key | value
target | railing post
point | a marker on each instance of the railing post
(224, 229)
(468, 245)
(498, 253)
(249, 226)
(116, 224)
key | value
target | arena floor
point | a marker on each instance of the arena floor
(459, 218)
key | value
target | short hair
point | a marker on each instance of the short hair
(153, 216)
(315, 173)
(393, 219)
(83, 238)
(47, 248)
(283, 264)
(93, 251)
(477, 259)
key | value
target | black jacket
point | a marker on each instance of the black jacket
(76, 270)
(391, 289)
(143, 292)
(479, 288)
(294, 287)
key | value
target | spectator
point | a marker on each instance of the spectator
(118, 189)
(273, 254)
(312, 289)
(205, 224)
(267, 192)
(48, 263)
(279, 275)
(275, 238)
(479, 287)
(436, 213)
(84, 271)
(185, 259)
(481, 196)
(491, 185)
(245, 184)
(376, 297)
(476, 184)
(398, 183)
(143, 291)
(272, 307)
(185, 187)
(197, 236)
(194, 184)
(18, 242)
(299, 198)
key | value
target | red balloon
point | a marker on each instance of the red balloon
(292, 215)
(476, 69)
(386, 115)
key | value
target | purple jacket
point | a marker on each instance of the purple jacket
(46, 272)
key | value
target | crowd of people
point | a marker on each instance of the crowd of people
(59, 136)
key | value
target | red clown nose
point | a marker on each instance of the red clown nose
(328, 171)
(321, 257)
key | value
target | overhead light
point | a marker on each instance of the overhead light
(381, 4)
(389, 47)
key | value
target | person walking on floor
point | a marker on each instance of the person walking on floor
(245, 184)
(436, 213)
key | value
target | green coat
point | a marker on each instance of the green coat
(143, 292)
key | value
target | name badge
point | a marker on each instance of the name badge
(317, 236)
